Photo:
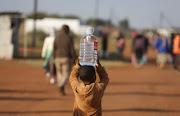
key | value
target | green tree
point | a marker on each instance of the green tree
(40, 15)
(54, 16)
(95, 22)
(71, 17)
(124, 24)
(40, 36)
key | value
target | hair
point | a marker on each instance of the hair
(139, 36)
(65, 28)
(121, 35)
(87, 73)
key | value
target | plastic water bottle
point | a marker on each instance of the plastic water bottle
(88, 48)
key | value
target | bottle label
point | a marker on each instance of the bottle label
(95, 45)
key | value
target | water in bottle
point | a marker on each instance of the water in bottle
(88, 48)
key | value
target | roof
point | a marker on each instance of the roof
(13, 14)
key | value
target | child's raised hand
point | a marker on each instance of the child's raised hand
(78, 61)
(98, 62)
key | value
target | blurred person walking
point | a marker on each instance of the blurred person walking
(173, 56)
(120, 45)
(146, 44)
(138, 49)
(163, 46)
(133, 57)
(105, 53)
(176, 51)
(64, 54)
(49, 64)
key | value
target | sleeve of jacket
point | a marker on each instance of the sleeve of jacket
(72, 51)
(156, 44)
(104, 80)
(73, 80)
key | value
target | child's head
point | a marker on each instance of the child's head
(87, 74)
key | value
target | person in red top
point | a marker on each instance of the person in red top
(120, 45)
(176, 50)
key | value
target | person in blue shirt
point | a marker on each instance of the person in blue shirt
(163, 46)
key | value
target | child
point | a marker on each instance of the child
(88, 94)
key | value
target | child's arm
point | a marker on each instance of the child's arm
(104, 80)
(74, 77)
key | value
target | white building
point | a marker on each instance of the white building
(9, 26)
(48, 24)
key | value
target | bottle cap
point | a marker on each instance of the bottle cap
(90, 30)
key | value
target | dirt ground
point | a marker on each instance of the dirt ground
(149, 91)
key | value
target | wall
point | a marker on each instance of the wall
(6, 47)
(48, 24)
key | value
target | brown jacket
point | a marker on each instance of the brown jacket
(88, 97)
(63, 46)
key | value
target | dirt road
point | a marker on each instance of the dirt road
(25, 91)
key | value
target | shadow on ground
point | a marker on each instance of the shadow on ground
(105, 110)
